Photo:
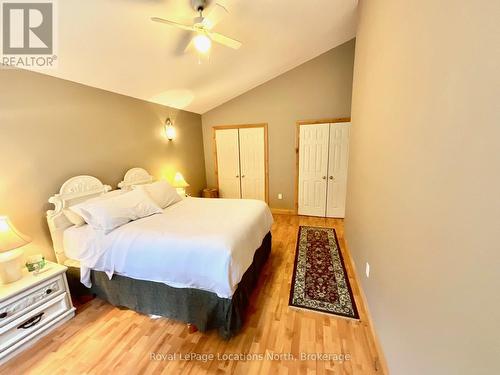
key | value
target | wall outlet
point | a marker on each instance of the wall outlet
(367, 270)
(280, 196)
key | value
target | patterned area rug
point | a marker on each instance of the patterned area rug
(320, 279)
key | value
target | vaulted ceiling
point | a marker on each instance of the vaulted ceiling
(113, 45)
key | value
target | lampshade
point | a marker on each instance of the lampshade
(10, 237)
(179, 181)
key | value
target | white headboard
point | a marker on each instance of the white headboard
(135, 176)
(75, 190)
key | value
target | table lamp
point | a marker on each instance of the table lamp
(10, 253)
(180, 184)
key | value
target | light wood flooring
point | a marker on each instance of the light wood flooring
(103, 339)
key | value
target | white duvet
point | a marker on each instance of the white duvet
(197, 243)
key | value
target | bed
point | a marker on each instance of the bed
(198, 261)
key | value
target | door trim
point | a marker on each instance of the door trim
(266, 151)
(298, 124)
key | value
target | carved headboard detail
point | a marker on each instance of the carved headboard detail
(135, 176)
(75, 190)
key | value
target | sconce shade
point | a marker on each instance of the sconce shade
(179, 181)
(169, 130)
(10, 237)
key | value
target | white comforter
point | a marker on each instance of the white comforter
(197, 243)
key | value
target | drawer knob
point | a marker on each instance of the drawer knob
(3, 315)
(48, 291)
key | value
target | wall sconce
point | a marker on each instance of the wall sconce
(169, 129)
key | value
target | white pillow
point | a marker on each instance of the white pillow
(161, 192)
(108, 214)
(75, 217)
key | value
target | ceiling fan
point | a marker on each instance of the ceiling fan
(202, 26)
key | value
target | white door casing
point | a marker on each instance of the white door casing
(337, 169)
(252, 163)
(313, 169)
(228, 164)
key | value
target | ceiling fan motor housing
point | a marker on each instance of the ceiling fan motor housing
(199, 5)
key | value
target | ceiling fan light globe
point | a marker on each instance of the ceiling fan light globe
(202, 43)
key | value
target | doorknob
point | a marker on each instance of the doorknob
(331, 177)
(242, 176)
(324, 177)
(237, 176)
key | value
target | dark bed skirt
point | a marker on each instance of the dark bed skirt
(204, 309)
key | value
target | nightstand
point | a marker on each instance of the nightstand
(32, 307)
(210, 193)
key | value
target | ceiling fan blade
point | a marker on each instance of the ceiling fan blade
(172, 23)
(189, 46)
(224, 40)
(184, 43)
(215, 16)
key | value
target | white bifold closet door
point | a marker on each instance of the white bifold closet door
(241, 163)
(337, 169)
(228, 163)
(323, 160)
(252, 163)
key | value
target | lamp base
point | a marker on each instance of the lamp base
(181, 192)
(11, 266)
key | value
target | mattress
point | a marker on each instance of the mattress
(206, 244)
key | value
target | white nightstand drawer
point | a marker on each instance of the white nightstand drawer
(20, 305)
(32, 321)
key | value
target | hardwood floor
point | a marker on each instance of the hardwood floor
(106, 339)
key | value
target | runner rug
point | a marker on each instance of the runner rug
(320, 279)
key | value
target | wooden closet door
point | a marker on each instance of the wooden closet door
(228, 163)
(337, 169)
(252, 162)
(313, 169)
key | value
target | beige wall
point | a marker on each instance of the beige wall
(424, 182)
(51, 130)
(320, 88)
